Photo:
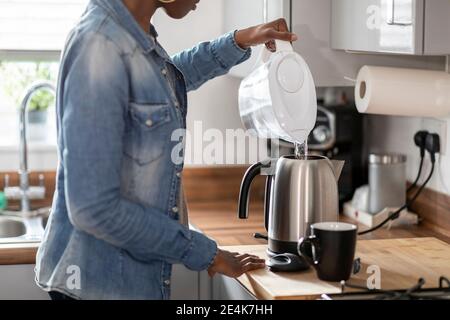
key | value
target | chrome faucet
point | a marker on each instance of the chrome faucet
(24, 192)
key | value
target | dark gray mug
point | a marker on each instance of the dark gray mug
(330, 249)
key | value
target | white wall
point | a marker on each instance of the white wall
(395, 134)
(216, 102)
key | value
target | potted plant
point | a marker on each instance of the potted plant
(15, 78)
(40, 102)
(37, 115)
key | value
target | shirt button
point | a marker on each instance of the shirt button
(177, 104)
(178, 174)
(149, 123)
(167, 282)
(175, 209)
(164, 72)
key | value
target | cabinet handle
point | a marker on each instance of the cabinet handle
(392, 21)
(266, 11)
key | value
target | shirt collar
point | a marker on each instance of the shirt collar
(152, 31)
(120, 13)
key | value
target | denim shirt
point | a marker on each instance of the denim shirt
(114, 232)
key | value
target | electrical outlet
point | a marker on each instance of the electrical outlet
(439, 127)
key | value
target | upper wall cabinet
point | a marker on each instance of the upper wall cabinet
(415, 27)
(311, 21)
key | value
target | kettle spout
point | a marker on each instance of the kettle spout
(337, 168)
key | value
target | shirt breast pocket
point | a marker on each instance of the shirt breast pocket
(149, 132)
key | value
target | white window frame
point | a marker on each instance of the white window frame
(33, 55)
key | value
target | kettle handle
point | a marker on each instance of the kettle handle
(267, 199)
(249, 176)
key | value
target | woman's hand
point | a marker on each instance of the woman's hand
(232, 264)
(264, 34)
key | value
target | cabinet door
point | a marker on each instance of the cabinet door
(388, 26)
(311, 20)
(437, 27)
(17, 283)
(185, 283)
(225, 288)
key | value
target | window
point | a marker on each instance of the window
(32, 34)
(37, 25)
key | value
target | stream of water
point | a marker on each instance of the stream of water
(301, 150)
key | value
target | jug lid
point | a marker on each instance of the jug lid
(290, 75)
(278, 99)
(293, 93)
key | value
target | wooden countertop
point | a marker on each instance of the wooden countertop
(24, 253)
(219, 221)
(401, 263)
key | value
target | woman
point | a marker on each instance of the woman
(117, 220)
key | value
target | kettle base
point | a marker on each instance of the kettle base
(279, 247)
(287, 262)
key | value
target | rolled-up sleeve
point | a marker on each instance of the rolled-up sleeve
(94, 103)
(209, 60)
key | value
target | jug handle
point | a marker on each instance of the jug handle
(282, 46)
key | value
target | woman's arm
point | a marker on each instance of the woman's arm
(215, 58)
(95, 100)
(209, 60)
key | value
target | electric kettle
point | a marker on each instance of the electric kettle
(299, 192)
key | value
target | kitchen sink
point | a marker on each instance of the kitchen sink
(18, 229)
(12, 227)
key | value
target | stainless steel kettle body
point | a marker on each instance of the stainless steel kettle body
(299, 192)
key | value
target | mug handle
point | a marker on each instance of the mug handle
(309, 248)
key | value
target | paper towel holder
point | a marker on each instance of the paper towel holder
(447, 63)
(362, 89)
(353, 80)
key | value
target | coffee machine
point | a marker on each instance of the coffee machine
(300, 191)
(339, 135)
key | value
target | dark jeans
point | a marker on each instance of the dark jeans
(59, 296)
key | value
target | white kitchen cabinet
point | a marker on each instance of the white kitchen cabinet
(17, 283)
(418, 27)
(189, 285)
(311, 21)
(225, 288)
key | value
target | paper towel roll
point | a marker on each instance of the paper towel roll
(403, 92)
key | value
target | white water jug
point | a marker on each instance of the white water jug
(278, 99)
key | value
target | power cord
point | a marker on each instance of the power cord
(411, 187)
(420, 141)
(432, 145)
